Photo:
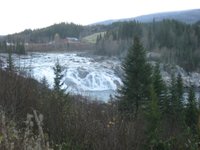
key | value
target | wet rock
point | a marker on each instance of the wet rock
(189, 78)
(82, 72)
(118, 71)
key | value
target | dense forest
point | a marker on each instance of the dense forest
(178, 43)
(47, 34)
(145, 113)
(17, 47)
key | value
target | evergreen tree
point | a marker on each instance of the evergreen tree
(175, 116)
(136, 80)
(10, 65)
(173, 96)
(159, 86)
(179, 86)
(58, 108)
(153, 118)
(44, 82)
(58, 76)
(191, 116)
(177, 96)
(4, 46)
(20, 48)
(166, 106)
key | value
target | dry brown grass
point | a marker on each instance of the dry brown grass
(12, 138)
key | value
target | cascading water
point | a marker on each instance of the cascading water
(94, 77)
(90, 79)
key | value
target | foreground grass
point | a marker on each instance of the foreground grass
(13, 138)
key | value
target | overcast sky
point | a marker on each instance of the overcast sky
(17, 15)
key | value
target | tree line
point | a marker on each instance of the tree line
(177, 42)
(47, 34)
(12, 47)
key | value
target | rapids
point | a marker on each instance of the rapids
(90, 76)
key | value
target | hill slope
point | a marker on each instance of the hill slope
(187, 16)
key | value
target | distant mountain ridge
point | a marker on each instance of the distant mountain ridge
(186, 16)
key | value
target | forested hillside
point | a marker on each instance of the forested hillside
(47, 34)
(185, 16)
(177, 42)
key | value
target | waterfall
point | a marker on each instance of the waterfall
(81, 74)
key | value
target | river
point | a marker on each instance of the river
(94, 77)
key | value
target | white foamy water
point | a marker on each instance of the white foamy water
(94, 77)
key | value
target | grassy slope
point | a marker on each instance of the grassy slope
(92, 38)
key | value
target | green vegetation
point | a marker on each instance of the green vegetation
(92, 38)
(13, 47)
(192, 112)
(47, 34)
(136, 81)
(146, 115)
(178, 43)
(179, 121)
(10, 65)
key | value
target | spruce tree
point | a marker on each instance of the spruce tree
(10, 65)
(44, 82)
(173, 96)
(191, 116)
(136, 80)
(58, 76)
(20, 48)
(177, 96)
(58, 107)
(153, 118)
(179, 86)
(159, 86)
(175, 110)
(166, 106)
